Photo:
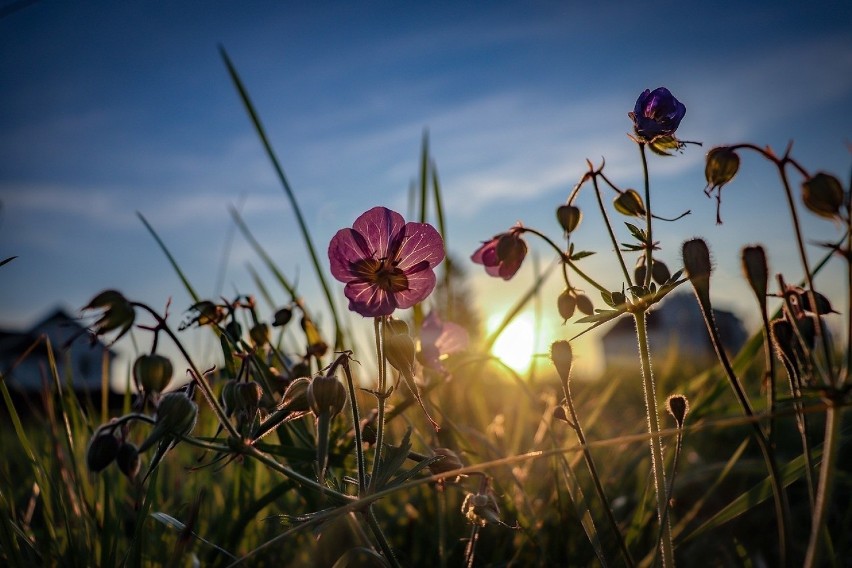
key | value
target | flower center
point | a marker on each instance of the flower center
(384, 273)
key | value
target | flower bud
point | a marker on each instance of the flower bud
(756, 271)
(660, 272)
(678, 406)
(584, 304)
(282, 317)
(449, 461)
(721, 167)
(566, 303)
(103, 448)
(118, 313)
(127, 460)
(316, 346)
(234, 329)
(511, 248)
(569, 217)
(640, 271)
(785, 340)
(177, 413)
(629, 203)
(696, 264)
(326, 395)
(823, 195)
(228, 396)
(400, 349)
(153, 372)
(259, 334)
(296, 396)
(247, 396)
(563, 358)
(481, 509)
(823, 305)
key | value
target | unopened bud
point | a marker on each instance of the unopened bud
(563, 358)
(823, 305)
(569, 217)
(696, 264)
(153, 372)
(784, 339)
(103, 447)
(117, 312)
(296, 396)
(823, 195)
(247, 396)
(282, 317)
(629, 203)
(722, 165)
(326, 395)
(678, 406)
(400, 349)
(756, 271)
(511, 248)
(660, 272)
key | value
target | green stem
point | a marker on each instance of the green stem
(593, 471)
(657, 464)
(827, 473)
(649, 245)
(387, 551)
(564, 258)
(381, 396)
(611, 232)
(356, 425)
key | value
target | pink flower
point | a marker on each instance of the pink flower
(385, 262)
(502, 255)
(439, 339)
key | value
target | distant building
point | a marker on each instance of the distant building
(676, 329)
(78, 360)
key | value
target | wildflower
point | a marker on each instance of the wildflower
(385, 262)
(116, 313)
(503, 254)
(657, 113)
(438, 339)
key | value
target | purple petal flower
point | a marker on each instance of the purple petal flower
(439, 339)
(385, 262)
(503, 254)
(657, 113)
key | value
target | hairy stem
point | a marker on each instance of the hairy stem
(657, 464)
(827, 473)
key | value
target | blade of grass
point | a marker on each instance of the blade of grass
(303, 227)
(172, 261)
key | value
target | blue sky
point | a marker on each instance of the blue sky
(115, 107)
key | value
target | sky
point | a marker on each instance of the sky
(113, 108)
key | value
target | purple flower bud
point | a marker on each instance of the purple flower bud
(657, 113)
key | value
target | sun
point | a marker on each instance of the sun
(516, 345)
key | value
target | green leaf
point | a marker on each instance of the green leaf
(580, 254)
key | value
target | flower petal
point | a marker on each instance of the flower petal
(421, 244)
(378, 226)
(345, 249)
(420, 285)
(369, 300)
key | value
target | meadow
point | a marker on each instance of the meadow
(310, 445)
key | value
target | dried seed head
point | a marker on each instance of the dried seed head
(823, 195)
(630, 203)
(569, 217)
(722, 165)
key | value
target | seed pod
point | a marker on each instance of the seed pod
(127, 460)
(259, 334)
(721, 167)
(247, 396)
(640, 271)
(678, 406)
(823, 305)
(296, 396)
(103, 448)
(629, 203)
(449, 461)
(153, 372)
(660, 272)
(584, 304)
(481, 509)
(569, 217)
(823, 195)
(326, 395)
(563, 358)
(282, 317)
(566, 303)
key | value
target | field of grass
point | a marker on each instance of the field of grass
(417, 447)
